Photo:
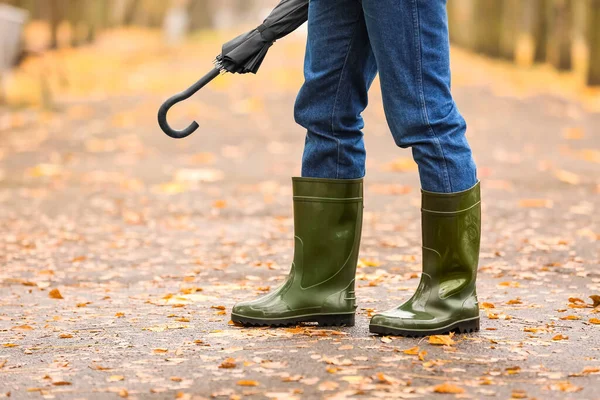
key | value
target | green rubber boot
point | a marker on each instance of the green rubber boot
(320, 286)
(446, 298)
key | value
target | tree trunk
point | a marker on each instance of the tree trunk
(541, 26)
(510, 28)
(488, 18)
(561, 35)
(594, 43)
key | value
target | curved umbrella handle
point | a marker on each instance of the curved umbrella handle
(186, 94)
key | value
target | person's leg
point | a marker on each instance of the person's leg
(328, 202)
(339, 69)
(411, 46)
(410, 42)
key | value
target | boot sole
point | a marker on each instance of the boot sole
(463, 326)
(321, 319)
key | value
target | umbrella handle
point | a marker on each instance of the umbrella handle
(186, 94)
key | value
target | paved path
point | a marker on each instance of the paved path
(150, 241)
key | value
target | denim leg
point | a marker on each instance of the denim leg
(339, 68)
(410, 41)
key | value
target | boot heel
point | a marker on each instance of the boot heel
(336, 320)
(469, 326)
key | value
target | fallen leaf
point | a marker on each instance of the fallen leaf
(412, 351)
(448, 388)
(442, 340)
(116, 378)
(567, 177)
(536, 203)
(228, 363)
(565, 387)
(247, 383)
(570, 318)
(55, 294)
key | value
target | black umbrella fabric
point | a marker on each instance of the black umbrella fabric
(242, 55)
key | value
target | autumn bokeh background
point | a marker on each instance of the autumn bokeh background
(112, 47)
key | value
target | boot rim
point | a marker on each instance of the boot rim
(327, 180)
(453, 194)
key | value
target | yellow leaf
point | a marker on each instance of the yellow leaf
(448, 388)
(565, 387)
(442, 340)
(247, 383)
(567, 177)
(513, 370)
(116, 378)
(123, 393)
(536, 203)
(9, 345)
(575, 133)
(22, 327)
(55, 294)
(176, 379)
(560, 337)
(595, 321)
(65, 336)
(412, 351)
(570, 318)
(487, 305)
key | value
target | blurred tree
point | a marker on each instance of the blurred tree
(560, 38)
(541, 16)
(488, 20)
(594, 42)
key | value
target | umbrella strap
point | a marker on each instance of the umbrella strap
(268, 37)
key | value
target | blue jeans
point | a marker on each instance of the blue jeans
(406, 41)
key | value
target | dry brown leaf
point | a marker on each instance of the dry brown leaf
(228, 363)
(160, 350)
(61, 383)
(560, 337)
(485, 305)
(595, 300)
(65, 336)
(55, 294)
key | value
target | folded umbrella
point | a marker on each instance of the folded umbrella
(242, 55)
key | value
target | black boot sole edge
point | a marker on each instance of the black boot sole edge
(321, 319)
(464, 326)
